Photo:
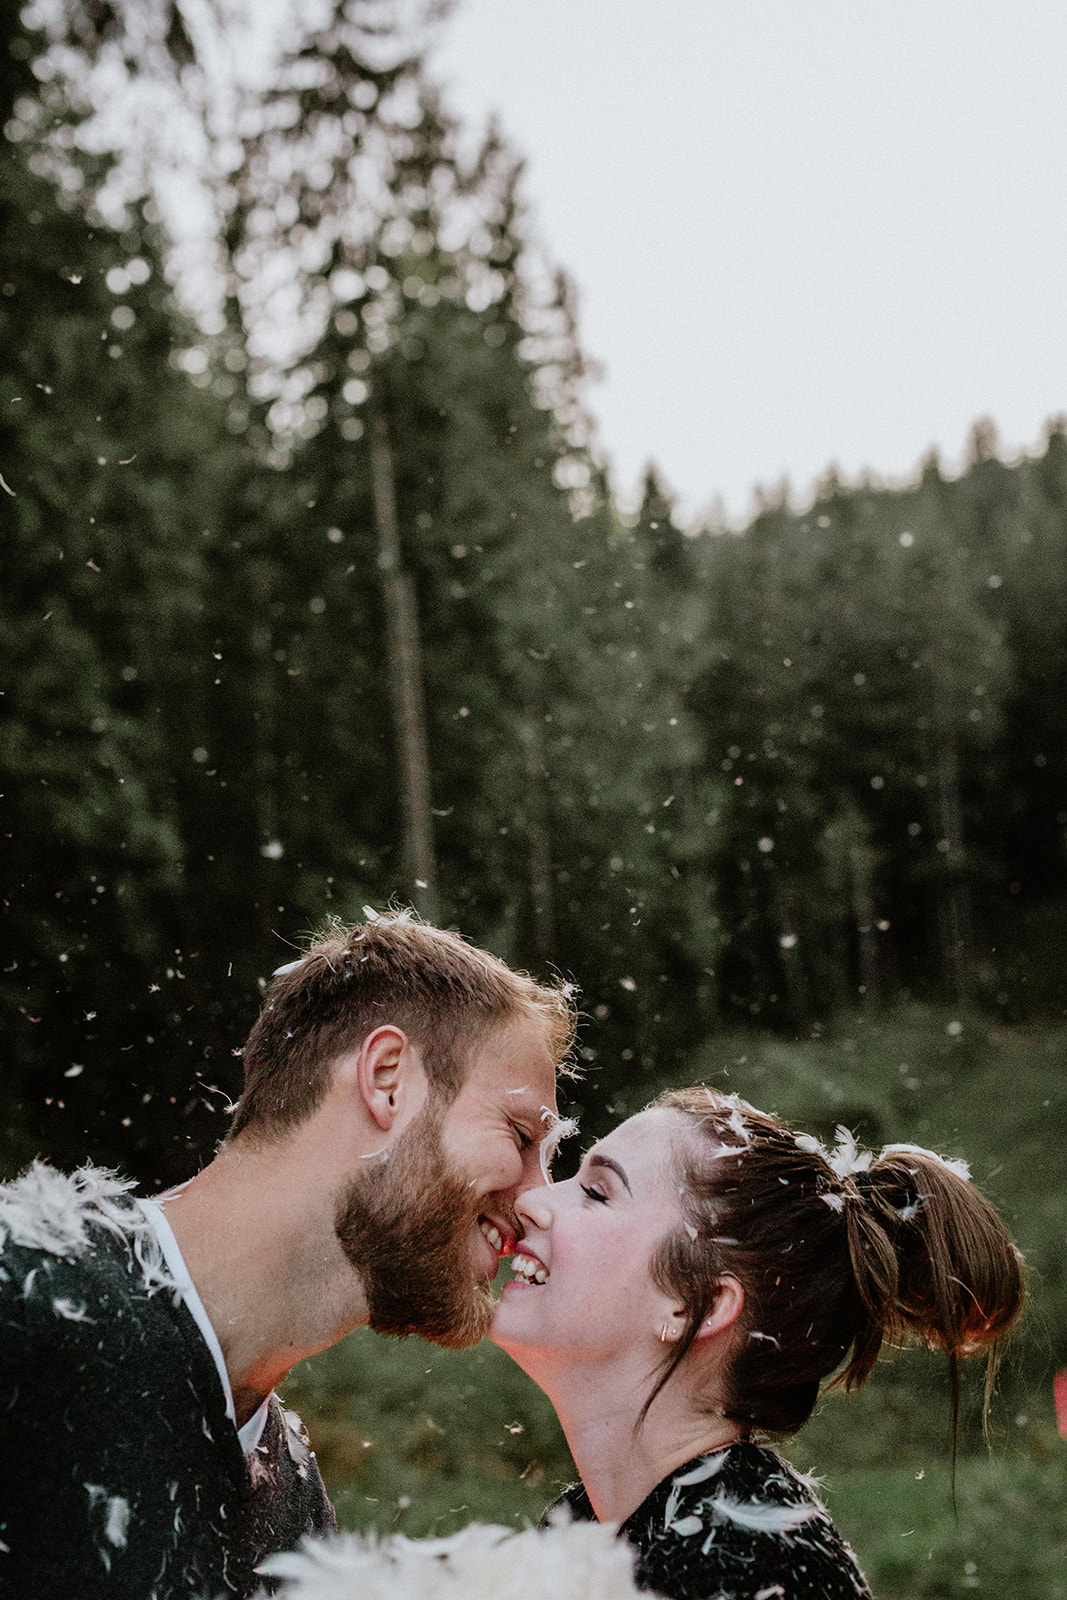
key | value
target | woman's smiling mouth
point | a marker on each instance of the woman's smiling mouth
(528, 1268)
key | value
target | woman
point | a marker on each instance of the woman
(686, 1294)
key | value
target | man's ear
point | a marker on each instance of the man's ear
(389, 1077)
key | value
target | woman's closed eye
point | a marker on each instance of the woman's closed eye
(594, 1194)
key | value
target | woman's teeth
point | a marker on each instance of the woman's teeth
(526, 1267)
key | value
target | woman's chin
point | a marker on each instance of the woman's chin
(505, 1328)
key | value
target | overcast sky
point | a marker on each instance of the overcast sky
(803, 231)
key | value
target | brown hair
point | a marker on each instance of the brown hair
(836, 1253)
(443, 992)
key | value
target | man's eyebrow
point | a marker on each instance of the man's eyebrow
(524, 1111)
(597, 1160)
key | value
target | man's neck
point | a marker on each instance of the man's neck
(259, 1245)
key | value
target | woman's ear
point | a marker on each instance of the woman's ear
(389, 1078)
(728, 1305)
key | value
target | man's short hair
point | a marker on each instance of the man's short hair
(445, 995)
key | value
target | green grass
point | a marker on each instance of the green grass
(1009, 1538)
(418, 1440)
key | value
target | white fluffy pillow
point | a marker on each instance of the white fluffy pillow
(569, 1561)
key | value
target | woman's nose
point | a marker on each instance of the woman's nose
(534, 1207)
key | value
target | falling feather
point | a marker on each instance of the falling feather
(761, 1517)
(708, 1468)
(72, 1312)
(118, 1521)
(686, 1527)
(557, 1129)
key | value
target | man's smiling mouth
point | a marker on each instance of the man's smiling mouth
(499, 1236)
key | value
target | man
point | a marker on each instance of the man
(399, 1087)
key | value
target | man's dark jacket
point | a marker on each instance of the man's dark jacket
(123, 1476)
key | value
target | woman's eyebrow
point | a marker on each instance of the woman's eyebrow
(597, 1160)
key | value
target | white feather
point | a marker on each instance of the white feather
(568, 1561)
(736, 1124)
(53, 1211)
(847, 1157)
(960, 1168)
(50, 1210)
(118, 1521)
(557, 1129)
(760, 1517)
(72, 1312)
(703, 1470)
(811, 1482)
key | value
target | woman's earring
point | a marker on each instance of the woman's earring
(663, 1334)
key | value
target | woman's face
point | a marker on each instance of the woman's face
(591, 1240)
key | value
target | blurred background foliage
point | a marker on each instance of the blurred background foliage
(316, 595)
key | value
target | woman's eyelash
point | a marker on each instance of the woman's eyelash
(594, 1194)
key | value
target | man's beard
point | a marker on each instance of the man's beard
(405, 1226)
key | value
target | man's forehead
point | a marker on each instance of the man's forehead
(532, 1103)
(516, 1065)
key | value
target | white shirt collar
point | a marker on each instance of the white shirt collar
(251, 1432)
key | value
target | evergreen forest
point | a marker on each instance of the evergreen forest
(316, 596)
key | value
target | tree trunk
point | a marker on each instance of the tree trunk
(537, 834)
(404, 672)
(954, 924)
(864, 918)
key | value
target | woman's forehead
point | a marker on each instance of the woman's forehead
(650, 1140)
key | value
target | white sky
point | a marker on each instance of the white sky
(803, 231)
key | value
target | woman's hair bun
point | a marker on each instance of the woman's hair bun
(959, 1279)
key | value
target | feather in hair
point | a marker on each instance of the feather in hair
(847, 1157)
(951, 1164)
